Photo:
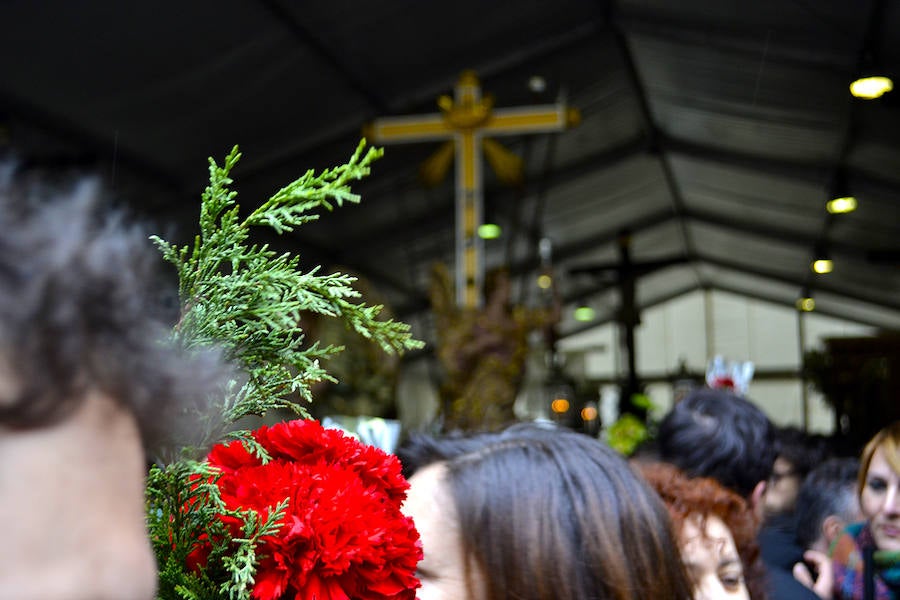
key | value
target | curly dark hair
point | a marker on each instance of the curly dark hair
(81, 310)
(688, 497)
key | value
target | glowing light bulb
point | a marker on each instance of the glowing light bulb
(489, 231)
(560, 405)
(869, 88)
(584, 314)
(537, 84)
(806, 304)
(841, 205)
(823, 265)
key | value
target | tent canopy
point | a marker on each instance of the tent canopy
(713, 131)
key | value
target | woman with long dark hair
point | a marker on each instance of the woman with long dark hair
(537, 514)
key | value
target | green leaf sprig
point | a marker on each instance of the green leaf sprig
(249, 299)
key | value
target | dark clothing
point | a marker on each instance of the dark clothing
(781, 585)
(778, 544)
(780, 552)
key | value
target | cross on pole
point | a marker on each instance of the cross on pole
(464, 122)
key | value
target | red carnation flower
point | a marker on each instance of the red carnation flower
(342, 535)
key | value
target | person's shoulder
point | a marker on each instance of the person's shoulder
(778, 543)
(781, 585)
(848, 540)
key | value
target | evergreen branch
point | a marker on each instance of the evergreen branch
(250, 299)
(311, 191)
(242, 563)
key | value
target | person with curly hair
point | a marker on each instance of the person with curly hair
(717, 534)
(715, 433)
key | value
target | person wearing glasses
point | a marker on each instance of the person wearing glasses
(797, 453)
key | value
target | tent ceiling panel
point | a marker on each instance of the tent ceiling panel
(711, 129)
(827, 25)
(663, 241)
(745, 197)
(781, 257)
(783, 293)
(608, 199)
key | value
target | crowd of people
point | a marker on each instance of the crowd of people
(723, 505)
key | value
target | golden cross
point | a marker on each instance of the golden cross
(464, 122)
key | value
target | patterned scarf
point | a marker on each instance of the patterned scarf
(847, 561)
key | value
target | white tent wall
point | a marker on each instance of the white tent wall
(694, 327)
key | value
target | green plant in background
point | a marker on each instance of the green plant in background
(247, 299)
(628, 432)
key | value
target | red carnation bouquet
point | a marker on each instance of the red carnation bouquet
(340, 535)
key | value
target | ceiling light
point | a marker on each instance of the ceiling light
(584, 314)
(489, 231)
(821, 260)
(869, 88)
(841, 205)
(806, 304)
(823, 265)
(537, 84)
(841, 199)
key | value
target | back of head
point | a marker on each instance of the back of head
(81, 310)
(797, 452)
(552, 514)
(829, 489)
(803, 450)
(714, 433)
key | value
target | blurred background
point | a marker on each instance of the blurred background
(680, 219)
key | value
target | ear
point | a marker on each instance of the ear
(832, 527)
(756, 498)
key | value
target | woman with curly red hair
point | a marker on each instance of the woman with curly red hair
(717, 534)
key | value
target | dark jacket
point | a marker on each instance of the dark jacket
(780, 552)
